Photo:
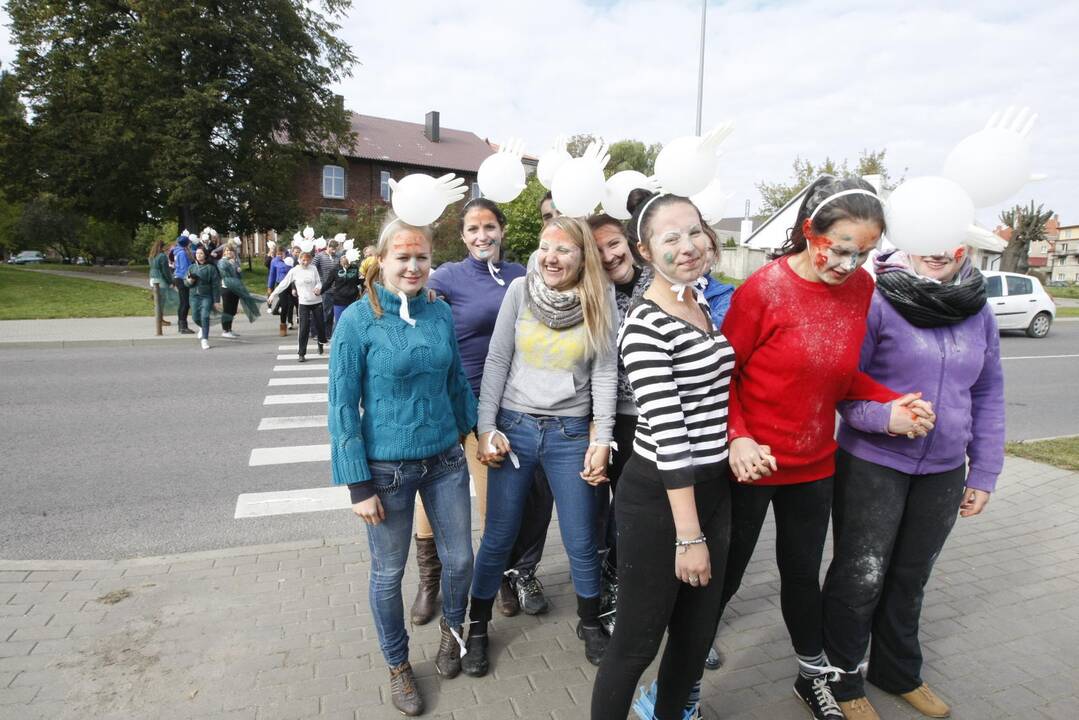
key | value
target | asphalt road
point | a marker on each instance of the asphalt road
(136, 451)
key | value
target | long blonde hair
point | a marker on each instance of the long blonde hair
(593, 287)
(374, 270)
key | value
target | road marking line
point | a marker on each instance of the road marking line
(296, 399)
(298, 367)
(278, 382)
(287, 502)
(290, 423)
(1038, 357)
(289, 454)
(293, 356)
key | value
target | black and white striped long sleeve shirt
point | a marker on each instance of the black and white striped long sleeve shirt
(681, 379)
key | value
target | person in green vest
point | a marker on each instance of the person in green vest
(234, 293)
(166, 299)
(205, 283)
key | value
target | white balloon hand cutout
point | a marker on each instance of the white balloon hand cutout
(552, 159)
(688, 164)
(501, 176)
(994, 163)
(596, 152)
(420, 199)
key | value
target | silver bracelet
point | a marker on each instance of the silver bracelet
(686, 543)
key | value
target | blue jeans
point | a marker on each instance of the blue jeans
(442, 482)
(558, 445)
(337, 310)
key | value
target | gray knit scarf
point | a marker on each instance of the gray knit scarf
(556, 310)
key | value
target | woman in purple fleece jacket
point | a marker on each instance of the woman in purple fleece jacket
(896, 498)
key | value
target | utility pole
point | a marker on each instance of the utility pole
(700, 69)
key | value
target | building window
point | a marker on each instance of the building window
(476, 192)
(1064, 247)
(384, 189)
(333, 182)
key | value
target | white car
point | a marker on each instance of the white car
(1019, 302)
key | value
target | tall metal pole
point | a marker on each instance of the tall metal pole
(700, 69)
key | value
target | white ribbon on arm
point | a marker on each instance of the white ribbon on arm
(495, 273)
(492, 449)
(403, 312)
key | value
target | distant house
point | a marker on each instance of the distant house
(385, 149)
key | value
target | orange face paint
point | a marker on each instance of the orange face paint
(960, 253)
(819, 243)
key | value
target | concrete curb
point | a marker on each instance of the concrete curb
(70, 344)
(1035, 440)
(241, 551)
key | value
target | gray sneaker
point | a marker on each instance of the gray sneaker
(530, 593)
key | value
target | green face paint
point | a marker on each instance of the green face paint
(668, 258)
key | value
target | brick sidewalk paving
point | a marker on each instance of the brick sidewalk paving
(285, 632)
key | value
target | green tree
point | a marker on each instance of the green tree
(199, 110)
(1028, 226)
(775, 195)
(523, 222)
(48, 222)
(633, 155)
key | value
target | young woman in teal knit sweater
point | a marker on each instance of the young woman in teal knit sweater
(395, 355)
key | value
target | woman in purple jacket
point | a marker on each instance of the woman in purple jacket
(896, 498)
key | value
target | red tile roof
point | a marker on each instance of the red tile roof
(404, 142)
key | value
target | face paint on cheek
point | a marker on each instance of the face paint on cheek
(819, 243)
(853, 264)
(668, 257)
(960, 253)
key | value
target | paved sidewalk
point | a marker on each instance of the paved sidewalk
(285, 632)
(117, 331)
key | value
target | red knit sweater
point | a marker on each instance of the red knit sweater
(797, 345)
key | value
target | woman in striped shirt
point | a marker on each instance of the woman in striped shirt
(673, 504)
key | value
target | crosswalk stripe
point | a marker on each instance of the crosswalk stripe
(289, 454)
(285, 502)
(293, 422)
(297, 399)
(292, 356)
(301, 368)
(278, 382)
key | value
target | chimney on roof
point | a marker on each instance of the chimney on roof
(339, 102)
(430, 126)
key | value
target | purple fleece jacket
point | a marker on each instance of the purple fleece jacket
(957, 368)
(475, 298)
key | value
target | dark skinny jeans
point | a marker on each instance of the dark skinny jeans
(651, 598)
(310, 314)
(889, 527)
(801, 513)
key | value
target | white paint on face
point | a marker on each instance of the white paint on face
(678, 246)
(614, 252)
(482, 234)
(848, 244)
(406, 262)
(559, 259)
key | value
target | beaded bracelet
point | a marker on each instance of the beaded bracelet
(683, 545)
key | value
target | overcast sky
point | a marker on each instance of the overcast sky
(819, 78)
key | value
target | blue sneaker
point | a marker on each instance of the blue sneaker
(645, 706)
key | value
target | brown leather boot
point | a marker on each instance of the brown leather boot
(283, 330)
(926, 702)
(425, 605)
(404, 693)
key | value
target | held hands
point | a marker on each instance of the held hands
(693, 565)
(595, 465)
(370, 510)
(217, 307)
(492, 449)
(911, 416)
(974, 501)
(750, 461)
(318, 290)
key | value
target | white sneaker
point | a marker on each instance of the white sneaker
(205, 344)
(229, 334)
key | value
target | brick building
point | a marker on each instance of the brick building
(385, 149)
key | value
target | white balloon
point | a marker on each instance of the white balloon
(416, 201)
(577, 187)
(617, 189)
(711, 201)
(685, 166)
(549, 164)
(349, 244)
(991, 165)
(320, 243)
(352, 254)
(309, 232)
(928, 215)
(307, 245)
(501, 177)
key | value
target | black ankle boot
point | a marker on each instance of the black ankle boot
(474, 662)
(590, 630)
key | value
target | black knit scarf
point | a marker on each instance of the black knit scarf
(926, 303)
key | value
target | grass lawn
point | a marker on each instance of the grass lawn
(37, 296)
(1066, 312)
(1069, 291)
(1063, 453)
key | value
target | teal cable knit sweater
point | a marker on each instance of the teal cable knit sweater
(409, 381)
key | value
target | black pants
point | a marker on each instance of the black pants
(652, 600)
(310, 314)
(185, 303)
(327, 313)
(287, 307)
(801, 512)
(625, 427)
(229, 302)
(889, 527)
(532, 537)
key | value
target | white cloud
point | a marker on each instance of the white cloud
(808, 78)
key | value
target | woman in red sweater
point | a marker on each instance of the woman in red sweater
(796, 326)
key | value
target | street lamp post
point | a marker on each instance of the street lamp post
(700, 68)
